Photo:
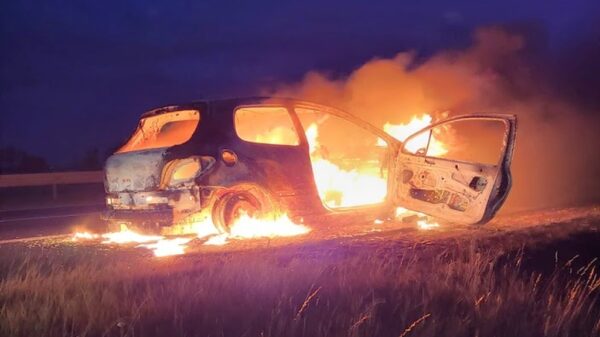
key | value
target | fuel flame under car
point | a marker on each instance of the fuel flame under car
(349, 185)
(245, 227)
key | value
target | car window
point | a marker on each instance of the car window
(265, 125)
(166, 129)
(478, 141)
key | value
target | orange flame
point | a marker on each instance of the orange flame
(168, 247)
(84, 236)
(403, 131)
(346, 188)
(128, 236)
(422, 223)
(157, 243)
(245, 227)
(342, 188)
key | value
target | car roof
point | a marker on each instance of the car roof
(204, 104)
(199, 104)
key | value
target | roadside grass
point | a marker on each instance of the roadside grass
(464, 290)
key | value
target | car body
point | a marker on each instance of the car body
(201, 161)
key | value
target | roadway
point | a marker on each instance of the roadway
(31, 224)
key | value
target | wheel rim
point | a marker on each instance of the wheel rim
(237, 205)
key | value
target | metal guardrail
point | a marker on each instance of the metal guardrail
(54, 179)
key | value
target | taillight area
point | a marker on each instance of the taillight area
(186, 171)
(182, 172)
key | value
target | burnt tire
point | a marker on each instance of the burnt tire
(236, 202)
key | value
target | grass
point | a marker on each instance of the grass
(463, 289)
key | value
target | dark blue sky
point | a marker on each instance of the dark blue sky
(76, 74)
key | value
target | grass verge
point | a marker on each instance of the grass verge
(462, 289)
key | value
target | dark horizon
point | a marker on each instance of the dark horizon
(87, 72)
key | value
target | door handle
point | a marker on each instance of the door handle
(429, 161)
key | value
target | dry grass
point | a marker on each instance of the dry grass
(459, 291)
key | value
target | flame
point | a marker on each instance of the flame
(422, 222)
(128, 236)
(346, 188)
(217, 240)
(401, 211)
(343, 188)
(403, 131)
(84, 236)
(168, 247)
(245, 227)
(205, 228)
(157, 243)
(339, 187)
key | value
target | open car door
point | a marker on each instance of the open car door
(457, 169)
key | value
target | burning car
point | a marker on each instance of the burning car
(265, 157)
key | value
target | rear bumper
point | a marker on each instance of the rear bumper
(155, 208)
(159, 217)
(146, 221)
(185, 198)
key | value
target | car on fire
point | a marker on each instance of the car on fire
(266, 156)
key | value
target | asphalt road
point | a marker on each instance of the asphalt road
(26, 224)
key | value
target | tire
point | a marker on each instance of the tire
(237, 201)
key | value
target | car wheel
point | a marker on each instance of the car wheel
(239, 202)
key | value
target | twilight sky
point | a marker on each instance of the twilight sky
(75, 75)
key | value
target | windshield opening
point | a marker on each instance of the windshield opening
(163, 130)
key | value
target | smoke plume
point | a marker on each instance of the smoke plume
(556, 157)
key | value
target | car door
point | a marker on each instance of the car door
(439, 173)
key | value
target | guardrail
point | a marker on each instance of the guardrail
(54, 179)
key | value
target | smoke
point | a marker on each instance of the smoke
(556, 158)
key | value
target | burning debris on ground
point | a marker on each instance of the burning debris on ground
(244, 227)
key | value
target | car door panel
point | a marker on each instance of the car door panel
(457, 191)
